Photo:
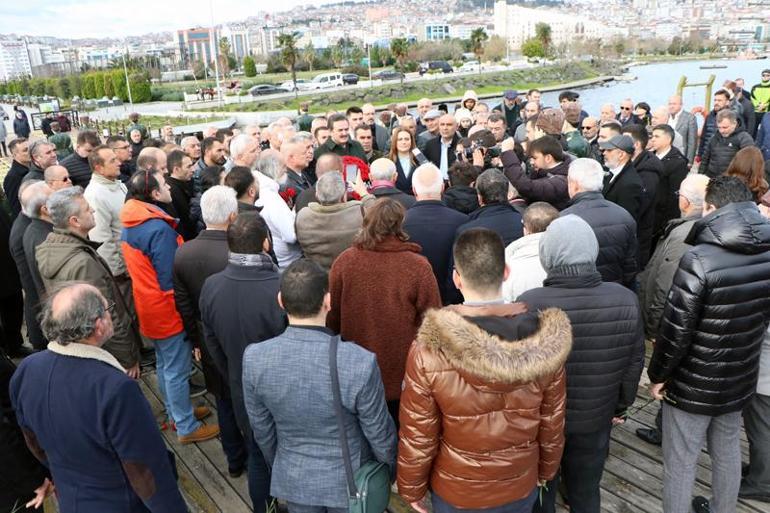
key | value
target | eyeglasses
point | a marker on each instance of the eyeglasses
(625, 108)
(65, 179)
(587, 127)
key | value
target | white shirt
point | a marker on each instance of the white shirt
(406, 165)
(615, 172)
(280, 219)
(673, 120)
(444, 165)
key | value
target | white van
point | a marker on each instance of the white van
(326, 80)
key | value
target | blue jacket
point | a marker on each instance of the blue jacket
(90, 424)
(498, 217)
(763, 137)
(287, 387)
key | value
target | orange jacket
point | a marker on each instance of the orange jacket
(149, 244)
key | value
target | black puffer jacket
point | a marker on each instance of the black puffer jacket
(615, 230)
(721, 150)
(649, 168)
(549, 186)
(78, 168)
(674, 172)
(716, 314)
(607, 354)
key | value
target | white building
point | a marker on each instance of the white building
(264, 40)
(240, 44)
(516, 24)
(14, 60)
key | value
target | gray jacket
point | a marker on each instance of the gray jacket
(687, 127)
(288, 397)
(655, 281)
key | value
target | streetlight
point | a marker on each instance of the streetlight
(125, 70)
(369, 61)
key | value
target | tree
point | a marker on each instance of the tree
(338, 55)
(543, 34)
(478, 36)
(249, 66)
(496, 48)
(225, 56)
(399, 47)
(533, 48)
(308, 55)
(290, 54)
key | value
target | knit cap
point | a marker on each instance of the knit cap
(550, 121)
(571, 112)
(568, 247)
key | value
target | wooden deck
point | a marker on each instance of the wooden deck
(632, 480)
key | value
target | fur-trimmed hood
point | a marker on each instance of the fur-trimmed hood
(492, 360)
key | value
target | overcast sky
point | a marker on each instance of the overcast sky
(118, 18)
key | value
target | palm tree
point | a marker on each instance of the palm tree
(399, 47)
(308, 55)
(290, 55)
(543, 34)
(478, 36)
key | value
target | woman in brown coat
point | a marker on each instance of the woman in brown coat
(380, 288)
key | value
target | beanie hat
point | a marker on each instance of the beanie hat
(571, 112)
(550, 121)
(568, 247)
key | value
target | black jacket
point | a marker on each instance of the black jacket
(10, 285)
(649, 168)
(195, 261)
(716, 314)
(615, 231)
(299, 182)
(720, 151)
(304, 199)
(549, 185)
(11, 185)
(433, 225)
(391, 192)
(239, 306)
(181, 197)
(79, 169)
(667, 206)
(31, 297)
(626, 190)
(432, 151)
(35, 234)
(34, 173)
(501, 218)
(607, 354)
(403, 182)
(462, 198)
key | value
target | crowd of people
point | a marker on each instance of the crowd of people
(461, 295)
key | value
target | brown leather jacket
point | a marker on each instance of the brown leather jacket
(482, 417)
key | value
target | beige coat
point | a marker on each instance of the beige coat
(325, 231)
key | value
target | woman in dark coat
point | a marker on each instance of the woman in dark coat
(401, 146)
(21, 125)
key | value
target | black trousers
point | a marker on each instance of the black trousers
(11, 318)
(582, 466)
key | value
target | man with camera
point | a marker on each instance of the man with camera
(548, 180)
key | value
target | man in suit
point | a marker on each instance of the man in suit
(685, 125)
(441, 150)
(622, 185)
(290, 373)
(381, 135)
(626, 115)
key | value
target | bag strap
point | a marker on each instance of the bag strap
(352, 490)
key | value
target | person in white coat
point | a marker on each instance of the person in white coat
(522, 256)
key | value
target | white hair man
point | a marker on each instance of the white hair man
(327, 227)
(614, 227)
(277, 214)
(383, 176)
(433, 225)
(244, 151)
(297, 153)
(660, 117)
(192, 147)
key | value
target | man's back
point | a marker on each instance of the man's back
(501, 218)
(291, 373)
(325, 231)
(626, 190)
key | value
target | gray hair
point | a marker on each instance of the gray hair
(270, 165)
(39, 193)
(330, 188)
(587, 173)
(37, 146)
(492, 186)
(427, 180)
(218, 204)
(693, 187)
(300, 137)
(186, 141)
(76, 321)
(728, 114)
(239, 143)
(382, 169)
(63, 204)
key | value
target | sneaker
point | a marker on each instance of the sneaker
(201, 412)
(236, 472)
(651, 436)
(197, 390)
(701, 505)
(203, 433)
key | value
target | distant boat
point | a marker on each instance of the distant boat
(714, 66)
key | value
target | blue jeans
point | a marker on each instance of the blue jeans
(232, 440)
(520, 506)
(259, 477)
(174, 362)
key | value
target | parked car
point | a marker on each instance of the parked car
(388, 74)
(302, 85)
(470, 66)
(264, 89)
(435, 66)
(350, 78)
(326, 80)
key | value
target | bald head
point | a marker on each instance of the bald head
(660, 116)
(427, 183)
(674, 104)
(77, 314)
(152, 158)
(57, 177)
(328, 162)
(447, 126)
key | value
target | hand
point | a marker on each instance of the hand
(496, 162)
(197, 354)
(616, 421)
(134, 372)
(478, 158)
(656, 390)
(419, 506)
(508, 144)
(359, 187)
(41, 492)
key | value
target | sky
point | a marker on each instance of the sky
(119, 18)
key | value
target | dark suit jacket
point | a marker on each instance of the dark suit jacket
(391, 192)
(181, 196)
(11, 186)
(403, 182)
(432, 150)
(626, 191)
(31, 298)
